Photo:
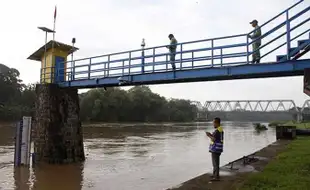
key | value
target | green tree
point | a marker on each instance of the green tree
(139, 104)
(16, 99)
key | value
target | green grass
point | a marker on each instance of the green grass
(290, 170)
(275, 123)
(305, 125)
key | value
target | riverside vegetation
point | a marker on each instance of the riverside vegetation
(138, 104)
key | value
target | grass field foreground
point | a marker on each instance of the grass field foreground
(290, 170)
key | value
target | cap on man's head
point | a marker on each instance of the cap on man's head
(254, 21)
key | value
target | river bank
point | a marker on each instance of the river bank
(303, 125)
(290, 170)
(233, 176)
(281, 165)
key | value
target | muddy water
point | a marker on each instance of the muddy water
(132, 157)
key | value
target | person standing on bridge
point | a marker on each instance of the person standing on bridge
(172, 49)
(257, 41)
(216, 147)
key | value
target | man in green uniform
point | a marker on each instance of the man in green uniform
(256, 34)
(172, 49)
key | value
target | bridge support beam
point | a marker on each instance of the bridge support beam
(299, 117)
(57, 131)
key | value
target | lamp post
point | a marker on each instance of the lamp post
(142, 46)
(72, 62)
(46, 30)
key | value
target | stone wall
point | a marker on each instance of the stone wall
(57, 130)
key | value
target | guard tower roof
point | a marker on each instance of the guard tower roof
(37, 55)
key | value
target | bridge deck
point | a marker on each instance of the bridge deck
(248, 71)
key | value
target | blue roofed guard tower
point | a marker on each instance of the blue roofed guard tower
(57, 133)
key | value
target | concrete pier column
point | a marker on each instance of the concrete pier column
(57, 131)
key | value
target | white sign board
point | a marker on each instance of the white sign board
(23, 142)
(25, 146)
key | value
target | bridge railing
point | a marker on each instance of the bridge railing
(252, 106)
(285, 28)
(215, 53)
(288, 26)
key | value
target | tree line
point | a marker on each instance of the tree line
(16, 98)
(138, 104)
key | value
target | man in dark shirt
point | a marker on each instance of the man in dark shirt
(172, 49)
(216, 147)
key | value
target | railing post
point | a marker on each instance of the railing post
(129, 63)
(142, 55)
(89, 68)
(153, 59)
(44, 75)
(108, 69)
(288, 36)
(247, 49)
(181, 57)
(41, 75)
(166, 62)
(123, 68)
(105, 69)
(192, 59)
(221, 57)
(212, 52)
(56, 75)
(73, 70)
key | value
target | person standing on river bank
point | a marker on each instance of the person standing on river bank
(216, 147)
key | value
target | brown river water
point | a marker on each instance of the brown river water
(132, 157)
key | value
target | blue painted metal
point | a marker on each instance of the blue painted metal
(213, 60)
(294, 51)
(59, 65)
(303, 42)
(288, 36)
(291, 68)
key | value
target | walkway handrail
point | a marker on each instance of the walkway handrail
(282, 24)
(162, 46)
(267, 22)
(285, 33)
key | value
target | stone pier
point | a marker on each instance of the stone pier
(57, 131)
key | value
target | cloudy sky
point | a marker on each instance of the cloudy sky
(107, 26)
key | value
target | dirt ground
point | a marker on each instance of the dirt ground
(233, 176)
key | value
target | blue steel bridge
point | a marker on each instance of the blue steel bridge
(285, 43)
